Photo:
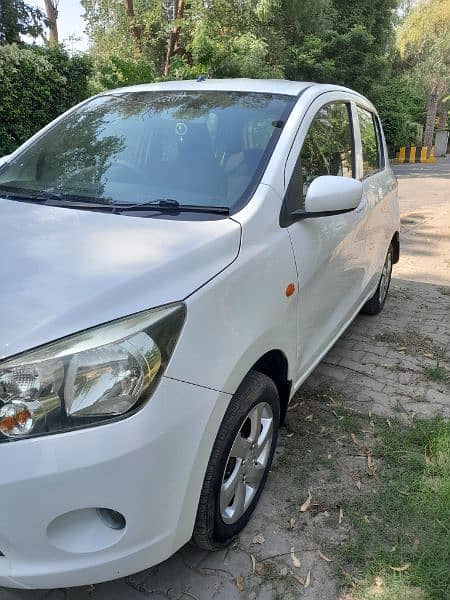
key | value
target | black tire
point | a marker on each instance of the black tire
(374, 305)
(211, 531)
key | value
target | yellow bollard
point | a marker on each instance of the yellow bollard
(423, 154)
(402, 154)
(432, 158)
(412, 154)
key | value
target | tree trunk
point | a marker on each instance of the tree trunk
(136, 30)
(51, 8)
(432, 105)
(174, 36)
(443, 112)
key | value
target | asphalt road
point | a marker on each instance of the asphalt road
(423, 185)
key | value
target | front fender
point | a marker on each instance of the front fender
(244, 312)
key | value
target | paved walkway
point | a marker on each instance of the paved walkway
(384, 365)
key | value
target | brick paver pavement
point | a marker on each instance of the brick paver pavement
(385, 365)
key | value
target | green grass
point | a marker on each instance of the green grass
(436, 373)
(406, 519)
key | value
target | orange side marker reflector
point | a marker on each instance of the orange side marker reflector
(290, 290)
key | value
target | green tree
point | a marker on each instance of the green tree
(18, 17)
(424, 42)
(336, 41)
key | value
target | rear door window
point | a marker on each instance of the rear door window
(370, 142)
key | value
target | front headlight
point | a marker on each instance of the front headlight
(89, 377)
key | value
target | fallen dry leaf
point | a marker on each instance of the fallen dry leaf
(259, 539)
(401, 569)
(253, 563)
(309, 418)
(295, 560)
(341, 515)
(326, 513)
(371, 466)
(358, 484)
(308, 579)
(289, 435)
(378, 581)
(366, 519)
(259, 569)
(301, 580)
(304, 507)
(323, 557)
(291, 523)
(389, 423)
(329, 456)
(354, 439)
(240, 583)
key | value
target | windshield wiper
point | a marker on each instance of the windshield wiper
(169, 205)
(50, 198)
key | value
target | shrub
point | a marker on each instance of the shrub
(116, 71)
(36, 85)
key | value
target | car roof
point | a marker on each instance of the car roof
(270, 86)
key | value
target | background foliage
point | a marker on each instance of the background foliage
(134, 41)
(36, 85)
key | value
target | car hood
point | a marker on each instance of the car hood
(63, 270)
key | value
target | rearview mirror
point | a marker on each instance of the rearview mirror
(330, 195)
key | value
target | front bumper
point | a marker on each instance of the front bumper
(149, 467)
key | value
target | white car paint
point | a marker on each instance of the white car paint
(72, 262)
(232, 274)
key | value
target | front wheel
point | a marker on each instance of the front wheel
(375, 304)
(239, 463)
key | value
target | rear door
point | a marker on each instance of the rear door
(330, 252)
(379, 187)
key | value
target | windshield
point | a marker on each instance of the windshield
(204, 148)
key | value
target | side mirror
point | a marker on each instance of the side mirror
(330, 195)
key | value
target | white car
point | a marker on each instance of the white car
(176, 260)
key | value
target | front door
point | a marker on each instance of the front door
(330, 252)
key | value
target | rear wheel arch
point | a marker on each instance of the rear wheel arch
(395, 242)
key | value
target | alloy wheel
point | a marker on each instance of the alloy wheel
(247, 462)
